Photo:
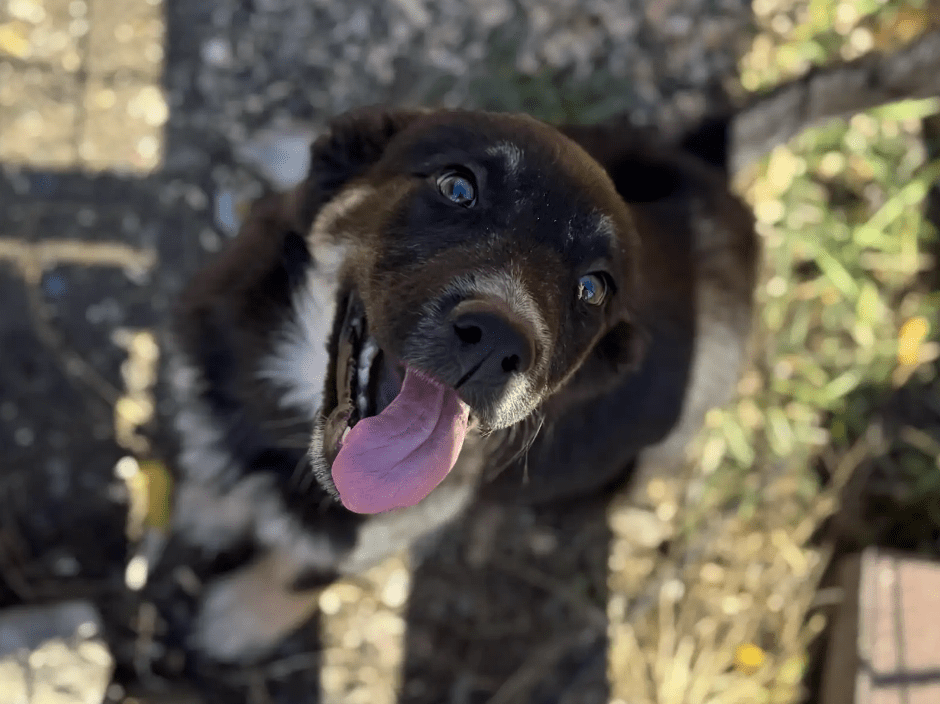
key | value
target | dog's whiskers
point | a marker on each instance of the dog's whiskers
(528, 447)
(531, 426)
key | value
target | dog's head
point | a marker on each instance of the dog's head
(485, 258)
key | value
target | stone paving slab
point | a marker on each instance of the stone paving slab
(39, 116)
(53, 655)
(126, 37)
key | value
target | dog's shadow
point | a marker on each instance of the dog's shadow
(511, 607)
(507, 606)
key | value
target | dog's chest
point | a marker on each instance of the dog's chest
(299, 358)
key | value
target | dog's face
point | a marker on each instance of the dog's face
(486, 257)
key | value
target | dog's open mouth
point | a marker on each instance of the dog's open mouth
(395, 432)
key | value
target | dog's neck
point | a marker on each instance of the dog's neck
(295, 367)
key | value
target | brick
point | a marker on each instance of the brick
(885, 642)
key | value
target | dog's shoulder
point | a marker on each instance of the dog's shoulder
(241, 446)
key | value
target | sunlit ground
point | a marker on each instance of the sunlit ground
(80, 84)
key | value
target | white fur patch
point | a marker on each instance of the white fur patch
(202, 514)
(511, 154)
(299, 362)
(213, 518)
(323, 230)
(605, 227)
(202, 456)
(249, 611)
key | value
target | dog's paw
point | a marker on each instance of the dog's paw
(246, 614)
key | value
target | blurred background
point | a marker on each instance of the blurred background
(134, 132)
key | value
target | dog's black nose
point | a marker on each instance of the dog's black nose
(489, 347)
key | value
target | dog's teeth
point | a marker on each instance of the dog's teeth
(345, 433)
(366, 356)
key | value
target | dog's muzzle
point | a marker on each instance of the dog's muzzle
(484, 349)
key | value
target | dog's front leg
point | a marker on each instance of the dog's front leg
(246, 613)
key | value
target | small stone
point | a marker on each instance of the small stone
(209, 240)
(66, 566)
(196, 198)
(14, 40)
(150, 106)
(226, 214)
(543, 543)
(78, 28)
(666, 511)
(217, 52)
(24, 437)
(148, 147)
(329, 602)
(26, 10)
(673, 590)
(395, 591)
(282, 156)
(136, 573)
(712, 573)
(642, 528)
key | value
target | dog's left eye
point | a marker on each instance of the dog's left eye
(457, 188)
(592, 288)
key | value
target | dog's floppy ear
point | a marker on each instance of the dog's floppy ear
(354, 142)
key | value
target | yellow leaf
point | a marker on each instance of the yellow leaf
(160, 491)
(13, 40)
(134, 411)
(748, 658)
(910, 22)
(910, 339)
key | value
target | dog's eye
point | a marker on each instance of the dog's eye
(458, 188)
(592, 288)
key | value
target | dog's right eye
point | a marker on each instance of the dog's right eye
(457, 188)
(592, 289)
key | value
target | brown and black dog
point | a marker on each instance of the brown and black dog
(451, 303)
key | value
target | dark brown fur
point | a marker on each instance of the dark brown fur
(625, 383)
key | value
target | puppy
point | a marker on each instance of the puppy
(451, 304)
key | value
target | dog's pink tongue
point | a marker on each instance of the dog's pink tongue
(396, 458)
